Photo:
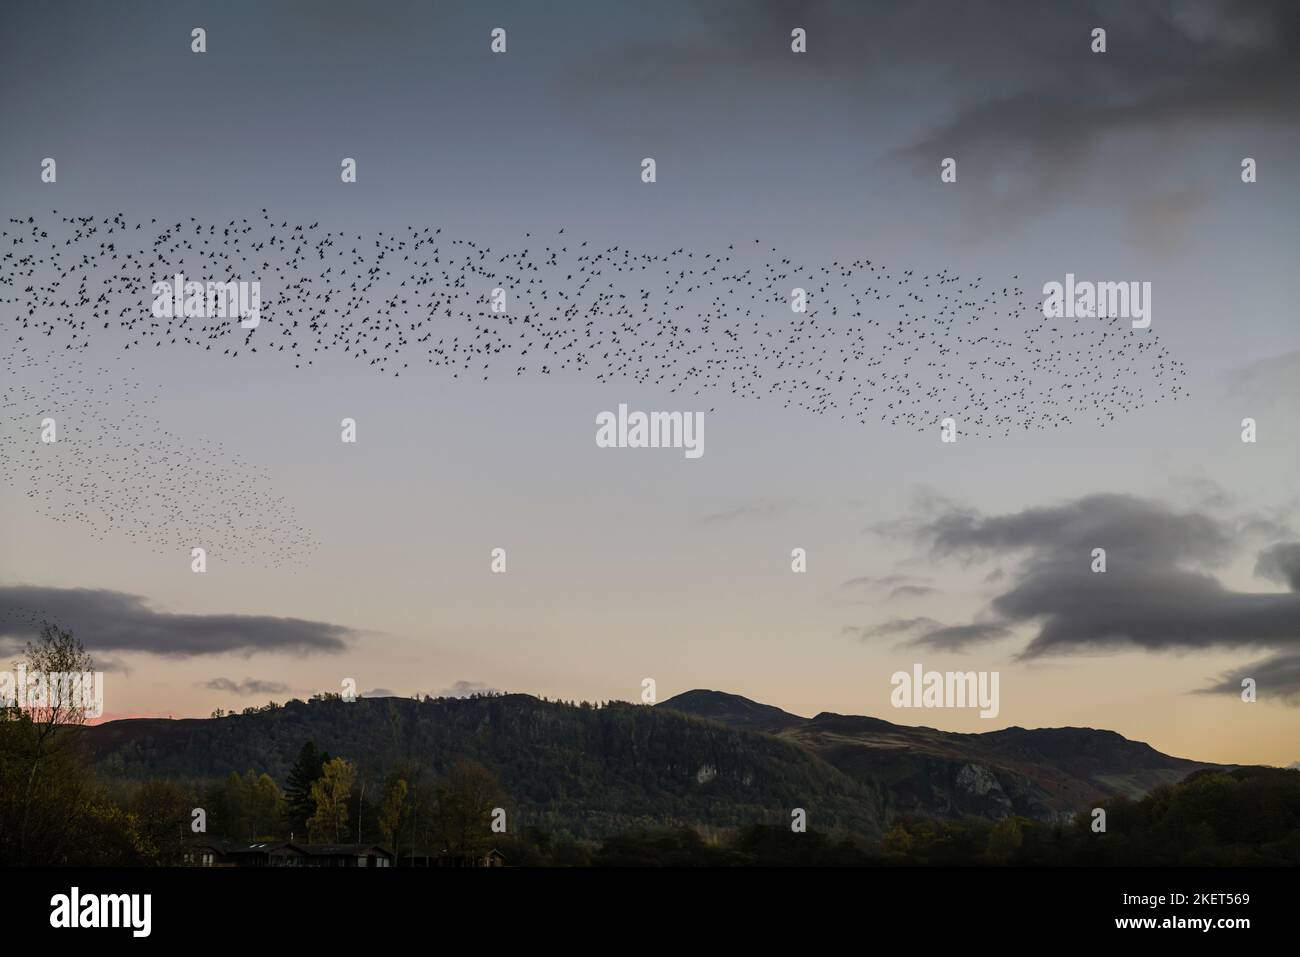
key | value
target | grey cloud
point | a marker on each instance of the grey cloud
(869, 583)
(463, 689)
(933, 634)
(1272, 380)
(960, 637)
(895, 626)
(1277, 678)
(1203, 492)
(1010, 87)
(1153, 596)
(1150, 609)
(1170, 69)
(114, 621)
(1141, 528)
(249, 686)
(998, 53)
(912, 591)
(1281, 563)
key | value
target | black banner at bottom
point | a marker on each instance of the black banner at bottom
(351, 904)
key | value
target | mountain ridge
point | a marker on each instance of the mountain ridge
(702, 758)
(1043, 773)
(589, 771)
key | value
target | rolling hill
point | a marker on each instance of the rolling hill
(701, 758)
(579, 769)
(1046, 774)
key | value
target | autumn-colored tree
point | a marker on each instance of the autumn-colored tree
(392, 813)
(330, 794)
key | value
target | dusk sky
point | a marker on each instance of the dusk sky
(373, 560)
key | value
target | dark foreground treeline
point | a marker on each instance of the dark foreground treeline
(1244, 817)
(54, 810)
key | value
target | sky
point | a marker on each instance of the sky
(372, 560)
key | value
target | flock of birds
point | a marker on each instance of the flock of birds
(119, 472)
(893, 346)
(873, 344)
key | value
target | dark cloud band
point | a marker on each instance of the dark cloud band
(114, 621)
(1157, 593)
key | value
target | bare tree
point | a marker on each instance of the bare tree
(60, 660)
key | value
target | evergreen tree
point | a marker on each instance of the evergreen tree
(298, 802)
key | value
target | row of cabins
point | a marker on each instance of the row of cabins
(294, 854)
